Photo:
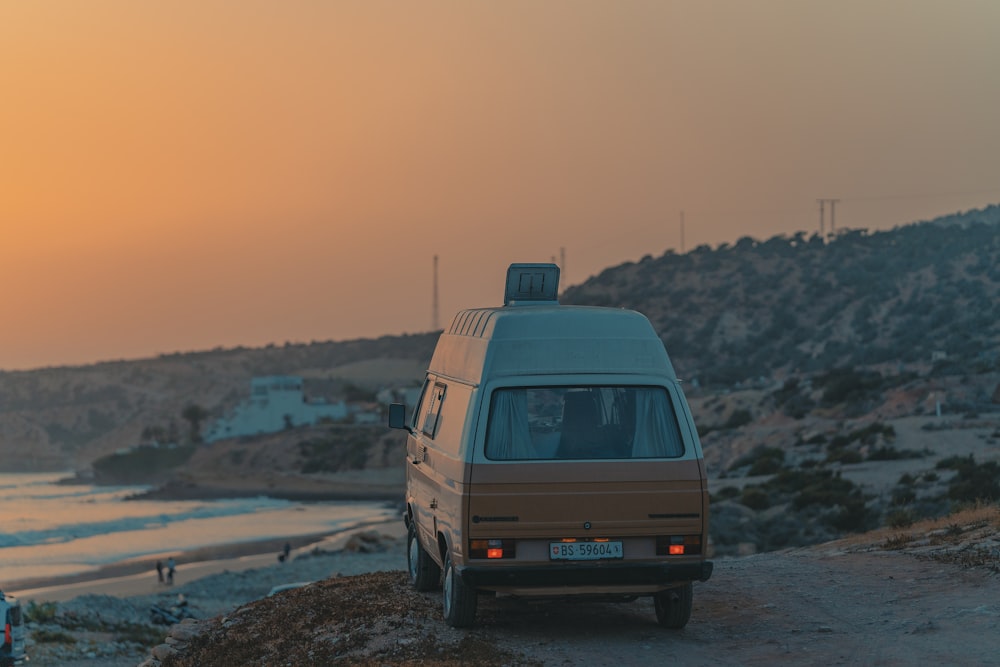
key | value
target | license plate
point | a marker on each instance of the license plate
(585, 550)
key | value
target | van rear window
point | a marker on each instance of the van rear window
(582, 423)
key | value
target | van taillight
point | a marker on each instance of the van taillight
(6, 634)
(678, 545)
(492, 549)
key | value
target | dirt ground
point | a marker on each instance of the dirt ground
(799, 607)
(816, 606)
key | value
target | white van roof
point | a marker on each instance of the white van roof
(545, 338)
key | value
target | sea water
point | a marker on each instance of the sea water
(49, 529)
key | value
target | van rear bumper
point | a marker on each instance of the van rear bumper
(605, 574)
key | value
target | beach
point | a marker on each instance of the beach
(62, 533)
(138, 576)
(95, 608)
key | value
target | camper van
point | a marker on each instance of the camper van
(552, 453)
(12, 648)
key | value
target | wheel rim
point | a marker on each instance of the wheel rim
(447, 588)
(413, 554)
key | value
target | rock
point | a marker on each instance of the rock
(163, 651)
(186, 630)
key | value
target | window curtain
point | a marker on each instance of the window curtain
(509, 437)
(656, 434)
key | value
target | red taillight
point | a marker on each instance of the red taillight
(6, 634)
(492, 549)
(678, 545)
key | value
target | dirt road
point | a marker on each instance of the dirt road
(801, 607)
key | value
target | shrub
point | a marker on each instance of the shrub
(896, 542)
(853, 516)
(826, 492)
(755, 498)
(44, 636)
(847, 385)
(899, 518)
(955, 462)
(142, 464)
(41, 612)
(738, 418)
(891, 453)
(844, 456)
(762, 461)
(726, 493)
(138, 633)
(975, 482)
(903, 496)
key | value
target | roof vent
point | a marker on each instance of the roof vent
(531, 284)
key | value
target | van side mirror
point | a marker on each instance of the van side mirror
(397, 416)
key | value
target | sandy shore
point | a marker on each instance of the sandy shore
(138, 577)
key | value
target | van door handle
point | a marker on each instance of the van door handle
(415, 461)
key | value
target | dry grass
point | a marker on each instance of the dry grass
(949, 529)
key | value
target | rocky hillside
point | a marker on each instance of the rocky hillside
(836, 325)
(794, 305)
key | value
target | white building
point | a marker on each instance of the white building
(276, 402)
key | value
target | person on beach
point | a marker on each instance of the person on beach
(159, 570)
(171, 568)
(287, 550)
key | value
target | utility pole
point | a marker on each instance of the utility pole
(434, 308)
(562, 265)
(682, 231)
(833, 213)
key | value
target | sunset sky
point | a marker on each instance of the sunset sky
(179, 176)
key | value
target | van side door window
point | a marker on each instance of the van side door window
(433, 413)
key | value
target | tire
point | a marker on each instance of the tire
(425, 575)
(673, 606)
(459, 599)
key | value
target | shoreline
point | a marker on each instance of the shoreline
(139, 577)
(297, 490)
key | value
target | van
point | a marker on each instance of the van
(552, 453)
(12, 649)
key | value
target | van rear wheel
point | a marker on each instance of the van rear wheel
(459, 599)
(673, 606)
(425, 575)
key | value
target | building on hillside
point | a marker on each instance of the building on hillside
(276, 402)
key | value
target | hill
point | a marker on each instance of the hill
(797, 352)
(792, 305)
(65, 418)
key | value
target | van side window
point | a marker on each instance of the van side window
(434, 402)
(582, 423)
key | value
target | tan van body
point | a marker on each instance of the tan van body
(553, 453)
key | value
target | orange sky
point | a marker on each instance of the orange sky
(182, 176)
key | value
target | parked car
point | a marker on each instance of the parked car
(12, 649)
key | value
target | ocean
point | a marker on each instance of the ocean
(49, 529)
